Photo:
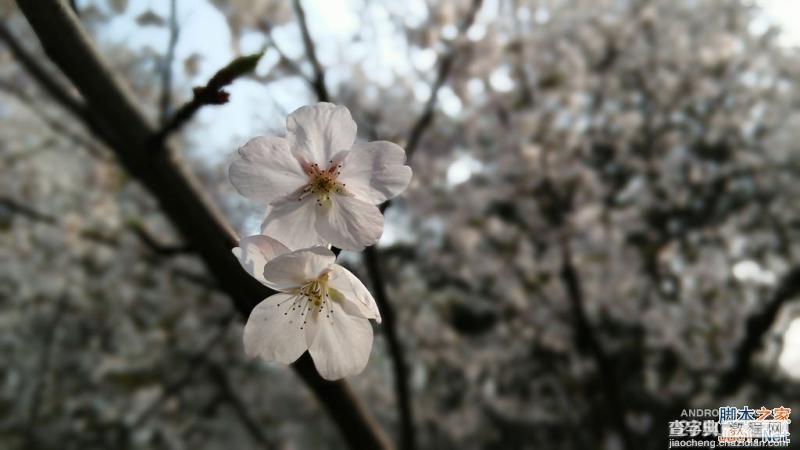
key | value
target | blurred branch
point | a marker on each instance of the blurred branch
(149, 161)
(228, 394)
(372, 258)
(756, 328)
(402, 392)
(318, 80)
(154, 245)
(48, 82)
(37, 71)
(26, 211)
(284, 60)
(210, 94)
(54, 124)
(588, 342)
(113, 241)
(45, 361)
(426, 119)
(166, 64)
(195, 362)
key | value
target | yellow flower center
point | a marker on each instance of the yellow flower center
(322, 183)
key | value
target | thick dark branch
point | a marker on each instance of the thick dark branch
(318, 81)
(407, 431)
(588, 342)
(757, 326)
(149, 161)
(210, 94)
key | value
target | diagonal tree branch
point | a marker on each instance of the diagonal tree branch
(756, 327)
(50, 84)
(55, 125)
(150, 162)
(426, 119)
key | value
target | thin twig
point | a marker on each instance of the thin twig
(284, 60)
(318, 80)
(210, 94)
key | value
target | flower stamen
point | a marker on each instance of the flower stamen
(322, 183)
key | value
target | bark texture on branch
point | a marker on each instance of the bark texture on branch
(129, 134)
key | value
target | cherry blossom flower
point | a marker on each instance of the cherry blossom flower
(320, 185)
(320, 307)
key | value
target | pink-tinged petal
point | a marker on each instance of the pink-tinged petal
(342, 345)
(265, 170)
(375, 171)
(293, 222)
(351, 294)
(273, 331)
(255, 251)
(292, 270)
(349, 223)
(321, 131)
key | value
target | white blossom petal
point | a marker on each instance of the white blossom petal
(376, 171)
(351, 293)
(342, 344)
(292, 270)
(266, 170)
(321, 131)
(293, 222)
(255, 251)
(273, 330)
(349, 223)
